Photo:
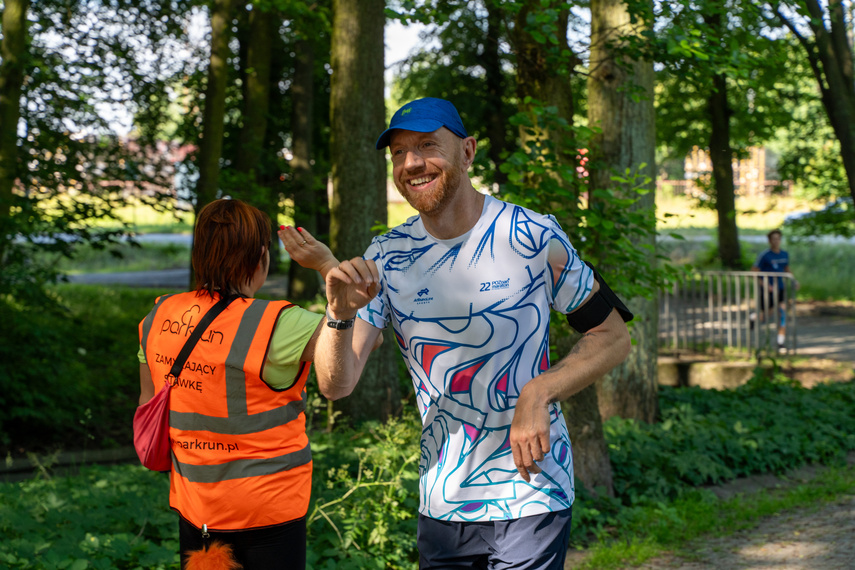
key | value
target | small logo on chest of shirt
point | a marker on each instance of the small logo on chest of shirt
(495, 285)
(423, 297)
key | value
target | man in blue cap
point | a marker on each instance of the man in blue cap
(467, 286)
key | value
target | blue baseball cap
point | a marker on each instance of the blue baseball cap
(424, 116)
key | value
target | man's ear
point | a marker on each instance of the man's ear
(469, 145)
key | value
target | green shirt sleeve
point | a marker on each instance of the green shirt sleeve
(290, 336)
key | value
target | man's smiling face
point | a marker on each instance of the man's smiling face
(427, 167)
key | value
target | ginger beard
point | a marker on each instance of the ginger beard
(432, 200)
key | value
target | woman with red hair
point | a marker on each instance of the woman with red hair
(241, 463)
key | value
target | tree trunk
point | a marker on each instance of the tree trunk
(831, 57)
(539, 77)
(258, 46)
(14, 53)
(213, 114)
(721, 157)
(263, 27)
(591, 464)
(835, 53)
(357, 117)
(494, 99)
(303, 283)
(620, 102)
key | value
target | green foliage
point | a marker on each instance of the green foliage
(604, 224)
(706, 437)
(365, 488)
(696, 40)
(72, 163)
(836, 218)
(365, 496)
(362, 515)
(106, 518)
(31, 392)
(809, 152)
(77, 378)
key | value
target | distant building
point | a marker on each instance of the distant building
(752, 176)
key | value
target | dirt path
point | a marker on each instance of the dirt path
(817, 537)
(811, 539)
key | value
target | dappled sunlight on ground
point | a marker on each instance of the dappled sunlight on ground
(813, 539)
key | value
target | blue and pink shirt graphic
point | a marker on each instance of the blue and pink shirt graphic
(471, 318)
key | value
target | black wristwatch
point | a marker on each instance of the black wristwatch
(337, 324)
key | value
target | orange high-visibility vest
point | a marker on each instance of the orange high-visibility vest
(240, 454)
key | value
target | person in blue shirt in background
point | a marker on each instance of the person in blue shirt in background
(774, 260)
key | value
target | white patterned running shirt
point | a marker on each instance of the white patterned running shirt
(471, 318)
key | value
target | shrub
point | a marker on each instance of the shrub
(107, 517)
(70, 376)
(708, 436)
(365, 496)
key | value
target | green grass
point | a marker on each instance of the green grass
(753, 213)
(835, 281)
(125, 257)
(145, 219)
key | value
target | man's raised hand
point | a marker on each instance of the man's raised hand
(350, 286)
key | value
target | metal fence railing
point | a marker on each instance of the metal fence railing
(735, 310)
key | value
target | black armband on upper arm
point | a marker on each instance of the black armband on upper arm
(598, 307)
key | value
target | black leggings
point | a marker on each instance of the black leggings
(281, 547)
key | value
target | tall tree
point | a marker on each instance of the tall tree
(717, 86)
(721, 152)
(359, 173)
(303, 283)
(263, 26)
(465, 58)
(213, 114)
(494, 77)
(544, 71)
(620, 106)
(14, 53)
(823, 29)
(549, 162)
(809, 152)
(214, 110)
(309, 119)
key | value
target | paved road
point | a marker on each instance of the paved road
(827, 336)
(821, 334)
(165, 279)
